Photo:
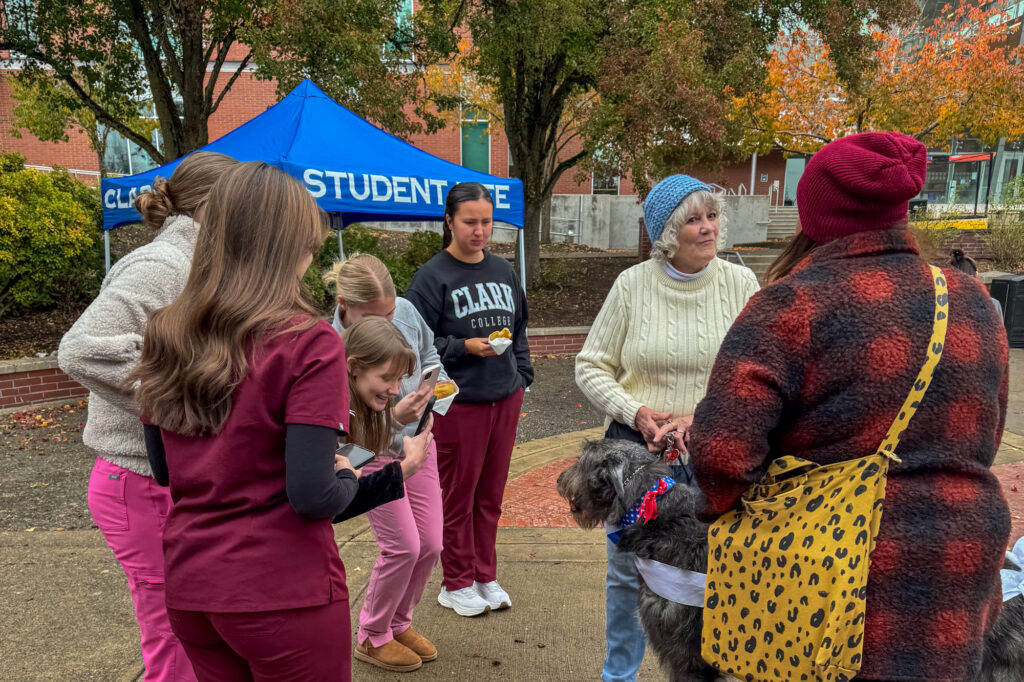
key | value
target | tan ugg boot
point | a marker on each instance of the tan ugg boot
(419, 644)
(393, 656)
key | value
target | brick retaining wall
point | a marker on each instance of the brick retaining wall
(34, 381)
(560, 341)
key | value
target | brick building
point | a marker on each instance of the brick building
(468, 144)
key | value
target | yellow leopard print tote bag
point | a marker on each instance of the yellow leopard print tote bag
(787, 571)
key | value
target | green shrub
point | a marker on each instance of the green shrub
(1006, 241)
(422, 247)
(933, 241)
(47, 245)
(360, 239)
(12, 163)
(357, 239)
(559, 273)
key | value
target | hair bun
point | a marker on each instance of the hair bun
(156, 205)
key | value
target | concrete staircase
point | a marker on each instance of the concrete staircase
(783, 222)
(757, 260)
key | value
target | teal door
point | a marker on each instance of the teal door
(794, 169)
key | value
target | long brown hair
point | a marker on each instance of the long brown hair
(796, 250)
(244, 285)
(372, 342)
(187, 189)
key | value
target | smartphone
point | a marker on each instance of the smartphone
(357, 455)
(430, 375)
(426, 415)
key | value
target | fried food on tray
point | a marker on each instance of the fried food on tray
(444, 389)
(503, 334)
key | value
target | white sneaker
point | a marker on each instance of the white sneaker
(465, 602)
(492, 593)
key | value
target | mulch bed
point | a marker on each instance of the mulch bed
(572, 293)
(35, 332)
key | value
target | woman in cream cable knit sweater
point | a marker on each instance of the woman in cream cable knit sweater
(647, 358)
(99, 351)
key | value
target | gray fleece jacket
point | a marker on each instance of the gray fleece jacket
(105, 344)
(421, 338)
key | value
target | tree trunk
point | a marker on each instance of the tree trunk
(545, 221)
(531, 235)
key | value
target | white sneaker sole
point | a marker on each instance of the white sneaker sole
(499, 606)
(444, 600)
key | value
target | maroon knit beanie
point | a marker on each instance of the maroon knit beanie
(859, 183)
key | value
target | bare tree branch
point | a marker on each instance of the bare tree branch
(231, 81)
(224, 46)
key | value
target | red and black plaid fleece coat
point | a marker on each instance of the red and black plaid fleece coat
(817, 366)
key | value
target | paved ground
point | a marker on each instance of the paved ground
(67, 614)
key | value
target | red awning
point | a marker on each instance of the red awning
(970, 157)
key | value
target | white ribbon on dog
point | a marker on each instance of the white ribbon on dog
(673, 583)
(1013, 581)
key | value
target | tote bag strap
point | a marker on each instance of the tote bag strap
(924, 377)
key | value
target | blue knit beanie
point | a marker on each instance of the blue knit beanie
(664, 198)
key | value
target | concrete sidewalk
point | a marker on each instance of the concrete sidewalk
(67, 613)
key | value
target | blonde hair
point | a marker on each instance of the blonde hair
(372, 342)
(186, 191)
(360, 279)
(665, 248)
(243, 287)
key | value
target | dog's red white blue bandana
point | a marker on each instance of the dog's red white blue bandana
(646, 508)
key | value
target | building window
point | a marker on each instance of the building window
(476, 141)
(124, 157)
(605, 182)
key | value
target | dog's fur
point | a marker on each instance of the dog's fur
(611, 475)
(1003, 660)
(607, 479)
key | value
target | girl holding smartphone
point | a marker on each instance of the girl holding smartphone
(408, 531)
(465, 294)
(238, 387)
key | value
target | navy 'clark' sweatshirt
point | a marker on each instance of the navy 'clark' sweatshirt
(461, 301)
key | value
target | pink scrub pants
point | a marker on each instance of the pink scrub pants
(130, 511)
(408, 532)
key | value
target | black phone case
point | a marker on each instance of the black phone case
(426, 415)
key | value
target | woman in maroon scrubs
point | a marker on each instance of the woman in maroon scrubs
(238, 384)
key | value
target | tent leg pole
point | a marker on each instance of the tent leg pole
(106, 251)
(522, 266)
(522, 259)
(341, 247)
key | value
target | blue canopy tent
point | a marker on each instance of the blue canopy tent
(353, 169)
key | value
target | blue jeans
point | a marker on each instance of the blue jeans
(624, 636)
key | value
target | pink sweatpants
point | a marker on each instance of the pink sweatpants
(408, 532)
(474, 449)
(130, 511)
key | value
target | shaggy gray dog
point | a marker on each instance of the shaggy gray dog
(611, 475)
(607, 479)
(1004, 643)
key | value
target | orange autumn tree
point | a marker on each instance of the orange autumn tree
(962, 75)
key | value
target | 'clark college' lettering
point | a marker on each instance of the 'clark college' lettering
(484, 297)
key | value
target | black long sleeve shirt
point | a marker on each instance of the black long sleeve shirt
(314, 489)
